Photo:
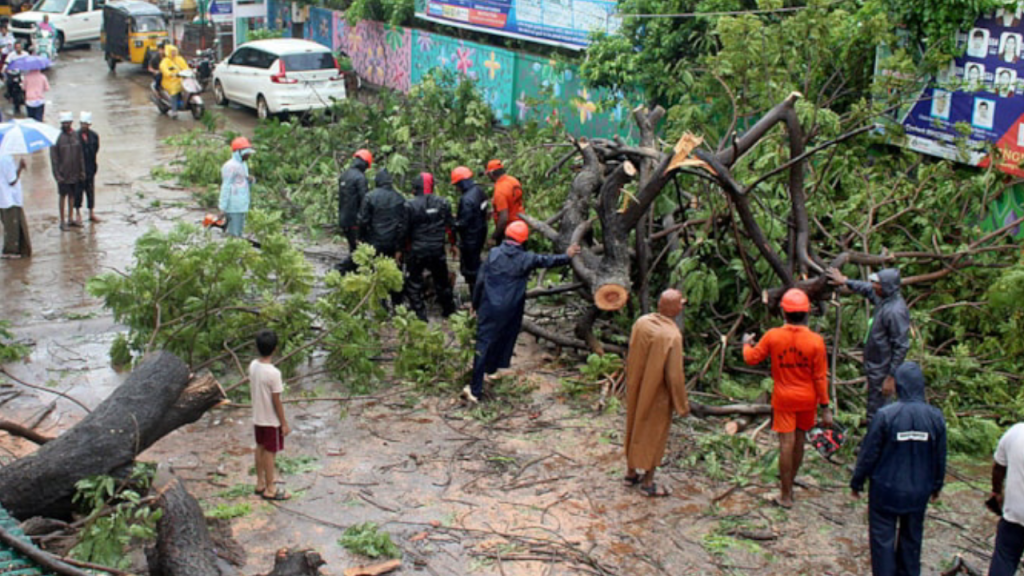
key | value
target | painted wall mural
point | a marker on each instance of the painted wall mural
(280, 14)
(320, 26)
(381, 54)
(1004, 210)
(493, 69)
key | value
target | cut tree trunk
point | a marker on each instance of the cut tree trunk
(157, 398)
(183, 544)
(296, 563)
(701, 410)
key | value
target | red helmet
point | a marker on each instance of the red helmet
(795, 300)
(240, 143)
(494, 165)
(517, 231)
(461, 173)
(365, 155)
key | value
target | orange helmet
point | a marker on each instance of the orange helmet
(517, 231)
(494, 165)
(365, 156)
(240, 143)
(461, 173)
(795, 300)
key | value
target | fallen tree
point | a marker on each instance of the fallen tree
(157, 398)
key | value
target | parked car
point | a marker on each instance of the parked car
(279, 75)
(73, 21)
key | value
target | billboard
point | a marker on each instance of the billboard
(566, 23)
(973, 110)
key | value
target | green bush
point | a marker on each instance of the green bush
(368, 540)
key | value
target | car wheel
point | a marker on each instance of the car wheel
(262, 110)
(218, 94)
(58, 42)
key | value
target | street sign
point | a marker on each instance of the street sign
(221, 11)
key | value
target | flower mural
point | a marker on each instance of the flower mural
(424, 41)
(464, 59)
(585, 107)
(395, 38)
(380, 54)
(492, 65)
(523, 106)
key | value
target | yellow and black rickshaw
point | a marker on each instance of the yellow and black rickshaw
(12, 7)
(132, 30)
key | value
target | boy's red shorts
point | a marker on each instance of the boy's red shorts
(788, 421)
(270, 438)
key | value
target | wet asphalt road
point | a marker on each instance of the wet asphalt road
(44, 296)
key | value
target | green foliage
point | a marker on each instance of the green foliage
(10, 349)
(935, 22)
(368, 540)
(428, 355)
(592, 374)
(224, 511)
(295, 465)
(734, 458)
(263, 34)
(115, 517)
(236, 491)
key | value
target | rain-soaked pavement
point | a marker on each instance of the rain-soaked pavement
(536, 492)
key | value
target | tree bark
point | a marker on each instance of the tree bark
(701, 410)
(296, 563)
(157, 398)
(183, 544)
(15, 429)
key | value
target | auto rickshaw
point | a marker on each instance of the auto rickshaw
(11, 7)
(132, 31)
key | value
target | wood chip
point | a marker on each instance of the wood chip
(374, 569)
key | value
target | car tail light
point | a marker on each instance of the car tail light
(281, 76)
(341, 73)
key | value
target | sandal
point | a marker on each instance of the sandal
(778, 503)
(280, 496)
(654, 491)
(259, 491)
(630, 481)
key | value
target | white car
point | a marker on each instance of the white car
(73, 21)
(279, 75)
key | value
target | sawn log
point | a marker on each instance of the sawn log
(157, 398)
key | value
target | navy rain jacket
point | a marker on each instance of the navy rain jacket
(429, 219)
(471, 221)
(352, 188)
(889, 338)
(382, 219)
(500, 298)
(904, 453)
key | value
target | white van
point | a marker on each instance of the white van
(73, 21)
(279, 75)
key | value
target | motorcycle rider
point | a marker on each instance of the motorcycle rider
(430, 224)
(153, 63)
(14, 91)
(471, 223)
(170, 67)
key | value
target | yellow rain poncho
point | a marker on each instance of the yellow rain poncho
(169, 68)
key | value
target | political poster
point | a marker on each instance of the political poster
(566, 23)
(973, 111)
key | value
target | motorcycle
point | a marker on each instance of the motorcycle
(15, 89)
(203, 64)
(190, 95)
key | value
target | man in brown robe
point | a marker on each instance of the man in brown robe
(655, 385)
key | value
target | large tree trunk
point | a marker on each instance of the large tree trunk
(157, 398)
(183, 544)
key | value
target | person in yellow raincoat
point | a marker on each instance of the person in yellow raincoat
(170, 66)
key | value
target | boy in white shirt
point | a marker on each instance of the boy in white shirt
(271, 427)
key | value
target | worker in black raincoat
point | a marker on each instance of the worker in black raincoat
(471, 223)
(352, 189)
(888, 334)
(500, 298)
(382, 217)
(431, 226)
(904, 457)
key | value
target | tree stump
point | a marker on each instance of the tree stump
(296, 563)
(183, 544)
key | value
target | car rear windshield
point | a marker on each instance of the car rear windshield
(308, 61)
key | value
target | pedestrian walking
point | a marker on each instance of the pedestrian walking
(430, 226)
(36, 86)
(471, 223)
(268, 418)
(508, 198)
(16, 239)
(1008, 493)
(352, 189)
(67, 162)
(382, 217)
(90, 148)
(500, 299)
(800, 377)
(655, 387)
(235, 184)
(904, 458)
(888, 334)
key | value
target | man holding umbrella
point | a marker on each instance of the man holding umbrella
(19, 137)
(67, 161)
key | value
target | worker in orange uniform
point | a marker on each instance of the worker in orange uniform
(508, 198)
(800, 373)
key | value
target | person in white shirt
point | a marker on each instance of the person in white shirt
(268, 418)
(16, 240)
(1008, 492)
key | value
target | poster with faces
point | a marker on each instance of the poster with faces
(984, 113)
(1005, 82)
(974, 75)
(977, 43)
(1010, 17)
(1009, 47)
(940, 104)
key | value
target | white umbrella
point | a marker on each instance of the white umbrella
(26, 136)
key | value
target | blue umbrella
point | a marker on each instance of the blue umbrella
(26, 136)
(26, 63)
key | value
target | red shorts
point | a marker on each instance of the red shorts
(787, 421)
(270, 438)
